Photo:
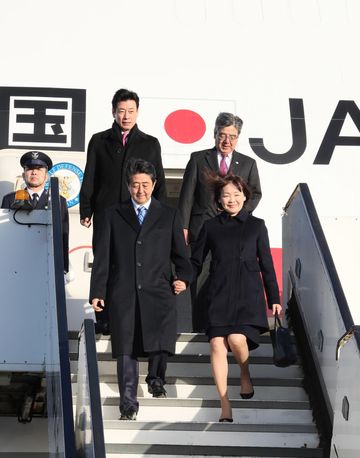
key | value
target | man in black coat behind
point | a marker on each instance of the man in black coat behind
(104, 183)
(140, 264)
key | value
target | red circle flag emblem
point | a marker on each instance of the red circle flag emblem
(185, 126)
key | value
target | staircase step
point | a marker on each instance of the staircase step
(184, 345)
(198, 412)
(210, 434)
(186, 358)
(239, 452)
(265, 393)
(181, 426)
(181, 337)
(196, 402)
(277, 422)
(178, 369)
(196, 381)
(179, 451)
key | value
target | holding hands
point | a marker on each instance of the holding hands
(178, 286)
(86, 222)
(98, 304)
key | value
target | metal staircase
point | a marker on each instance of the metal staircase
(277, 422)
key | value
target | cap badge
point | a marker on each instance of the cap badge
(35, 155)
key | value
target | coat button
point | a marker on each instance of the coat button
(139, 286)
(139, 242)
(139, 264)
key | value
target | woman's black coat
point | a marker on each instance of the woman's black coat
(133, 268)
(241, 267)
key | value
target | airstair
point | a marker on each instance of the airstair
(310, 409)
(277, 422)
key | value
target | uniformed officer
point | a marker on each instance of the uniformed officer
(36, 166)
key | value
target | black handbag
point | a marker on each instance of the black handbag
(283, 347)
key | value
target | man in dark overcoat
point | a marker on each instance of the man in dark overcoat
(196, 203)
(35, 166)
(104, 182)
(134, 279)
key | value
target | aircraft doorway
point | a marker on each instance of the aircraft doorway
(173, 178)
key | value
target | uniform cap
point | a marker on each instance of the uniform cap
(35, 159)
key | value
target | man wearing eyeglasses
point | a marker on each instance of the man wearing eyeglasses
(196, 203)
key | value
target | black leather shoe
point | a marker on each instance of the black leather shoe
(130, 414)
(157, 390)
(98, 328)
(106, 329)
(102, 328)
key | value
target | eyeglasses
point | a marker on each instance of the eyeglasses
(223, 137)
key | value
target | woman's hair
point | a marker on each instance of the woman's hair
(216, 183)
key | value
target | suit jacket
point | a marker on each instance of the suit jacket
(196, 203)
(132, 269)
(241, 266)
(104, 182)
(42, 204)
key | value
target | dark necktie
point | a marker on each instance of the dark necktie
(223, 166)
(34, 199)
(141, 214)
(124, 137)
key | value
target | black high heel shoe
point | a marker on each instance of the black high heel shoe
(247, 395)
(225, 420)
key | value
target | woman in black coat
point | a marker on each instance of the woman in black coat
(241, 267)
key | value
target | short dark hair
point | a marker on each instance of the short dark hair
(217, 182)
(225, 120)
(135, 166)
(122, 95)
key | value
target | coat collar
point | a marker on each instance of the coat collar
(152, 216)
(126, 209)
(235, 161)
(212, 160)
(241, 217)
(43, 199)
(115, 132)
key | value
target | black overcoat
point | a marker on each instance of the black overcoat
(196, 203)
(132, 267)
(104, 182)
(241, 264)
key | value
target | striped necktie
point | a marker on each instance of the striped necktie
(124, 137)
(141, 214)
